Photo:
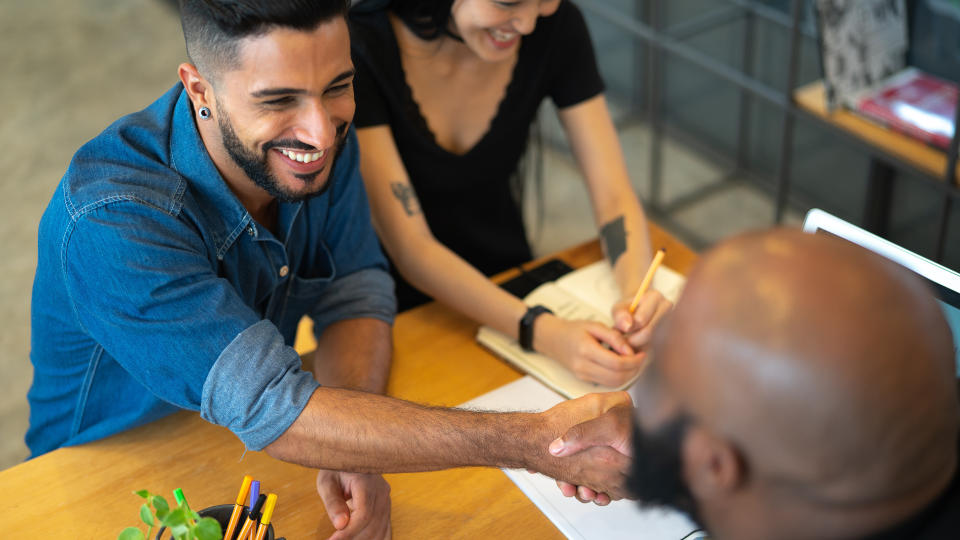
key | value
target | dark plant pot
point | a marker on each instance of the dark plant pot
(222, 514)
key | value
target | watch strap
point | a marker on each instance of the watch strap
(525, 333)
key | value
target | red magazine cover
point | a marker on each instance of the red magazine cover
(915, 103)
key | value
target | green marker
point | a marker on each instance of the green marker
(182, 501)
(178, 495)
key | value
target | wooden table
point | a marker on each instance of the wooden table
(85, 492)
(925, 158)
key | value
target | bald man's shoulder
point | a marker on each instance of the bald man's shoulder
(940, 520)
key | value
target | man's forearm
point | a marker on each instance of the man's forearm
(354, 353)
(356, 431)
(362, 432)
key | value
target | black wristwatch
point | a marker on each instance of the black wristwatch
(526, 326)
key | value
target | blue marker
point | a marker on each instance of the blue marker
(254, 492)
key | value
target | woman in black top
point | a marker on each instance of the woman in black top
(446, 91)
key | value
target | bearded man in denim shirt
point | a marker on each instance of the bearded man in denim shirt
(186, 241)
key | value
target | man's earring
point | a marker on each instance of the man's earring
(204, 113)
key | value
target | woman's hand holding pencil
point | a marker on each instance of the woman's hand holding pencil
(637, 316)
(593, 351)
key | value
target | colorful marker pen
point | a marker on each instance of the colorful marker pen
(182, 501)
(254, 494)
(252, 517)
(267, 514)
(238, 507)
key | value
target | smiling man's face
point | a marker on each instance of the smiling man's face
(283, 114)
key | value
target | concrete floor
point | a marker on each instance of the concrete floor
(71, 67)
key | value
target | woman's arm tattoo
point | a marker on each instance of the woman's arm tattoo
(407, 197)
(613, 237)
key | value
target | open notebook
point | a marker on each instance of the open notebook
(588, 293)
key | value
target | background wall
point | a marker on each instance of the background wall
(69, 68)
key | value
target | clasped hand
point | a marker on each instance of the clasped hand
(611, 429)
(591, 446)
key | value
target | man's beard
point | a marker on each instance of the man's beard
(256, 168)
(656, 475)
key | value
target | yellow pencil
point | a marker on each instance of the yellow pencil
(647, 279)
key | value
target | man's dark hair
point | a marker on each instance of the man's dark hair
(212, 29)
(426, 18)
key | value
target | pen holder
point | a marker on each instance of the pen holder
(222, 514)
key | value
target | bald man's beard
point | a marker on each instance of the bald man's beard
(255, 166)
(656, 474)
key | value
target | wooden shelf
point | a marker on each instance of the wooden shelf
(932, 161)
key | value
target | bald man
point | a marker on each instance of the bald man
(803, 388)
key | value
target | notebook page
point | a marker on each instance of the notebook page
(596, 285)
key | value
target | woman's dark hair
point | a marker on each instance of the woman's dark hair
(428, 19)
(213, 28)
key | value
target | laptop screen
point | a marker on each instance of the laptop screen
(952, 311)
(944, 282)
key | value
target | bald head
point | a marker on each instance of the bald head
(827, 368)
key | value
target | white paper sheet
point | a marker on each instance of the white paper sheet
(619, 520)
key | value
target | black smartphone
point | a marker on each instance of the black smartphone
(529, 280)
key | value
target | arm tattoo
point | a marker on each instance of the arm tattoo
(407, 197)
(613, 237)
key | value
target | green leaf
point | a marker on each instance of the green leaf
(174, 518)
(145, 515)
(131, 533)
(181, 532)
(143, 493)
(208, 529)
(161, 505)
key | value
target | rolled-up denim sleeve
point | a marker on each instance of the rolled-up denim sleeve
(366, 293)
(143, 286)
(258, 400)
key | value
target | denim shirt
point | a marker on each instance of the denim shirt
(156, 290)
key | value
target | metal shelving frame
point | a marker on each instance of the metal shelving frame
(663, 42)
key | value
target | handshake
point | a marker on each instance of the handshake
(589, 453)
(582, 443)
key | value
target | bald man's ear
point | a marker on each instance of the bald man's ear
(713, 468)
(198, 88)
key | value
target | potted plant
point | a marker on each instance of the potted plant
(184, 523)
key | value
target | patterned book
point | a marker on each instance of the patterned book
(862, 42)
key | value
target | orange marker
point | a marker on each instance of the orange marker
(252, 517)
(238, 507)
(267, 514)
(647, 279)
